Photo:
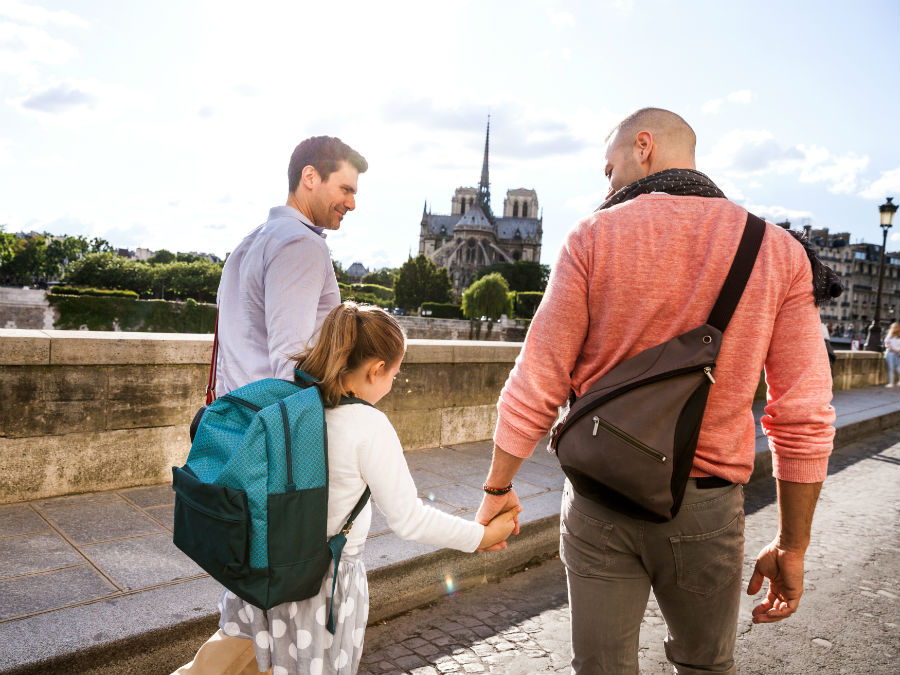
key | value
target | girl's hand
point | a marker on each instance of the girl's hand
(500, 527)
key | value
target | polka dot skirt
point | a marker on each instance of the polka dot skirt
(292, 638)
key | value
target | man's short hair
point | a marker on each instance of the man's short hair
(656, 120)
(323, 153)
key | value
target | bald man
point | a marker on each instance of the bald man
(647, 266)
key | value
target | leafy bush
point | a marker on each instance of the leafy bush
(489, 296)
(96, 292)
(128, 314)
(442, 310)
(526, 303)
(382, 292)
(65, 290)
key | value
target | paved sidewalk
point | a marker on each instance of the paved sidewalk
(848, 621)
(81, 575)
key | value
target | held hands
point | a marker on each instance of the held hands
(499, 528)
(507, 506)
(784, 570)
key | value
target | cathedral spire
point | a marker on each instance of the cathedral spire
(484, 187)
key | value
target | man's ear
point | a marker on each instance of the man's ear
(309, 176)
(644, 146)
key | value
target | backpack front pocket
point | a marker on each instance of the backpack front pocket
(212, 524)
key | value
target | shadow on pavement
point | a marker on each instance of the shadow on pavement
(761, 492)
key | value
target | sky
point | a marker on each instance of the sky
(169, 124)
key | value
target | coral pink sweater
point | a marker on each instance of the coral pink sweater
(637, 274)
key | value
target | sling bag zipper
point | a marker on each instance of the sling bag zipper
(707, 370)
(628, 439)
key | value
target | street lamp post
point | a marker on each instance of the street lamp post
(873, 339)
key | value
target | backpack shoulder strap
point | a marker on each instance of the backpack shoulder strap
(336, 544)
(741, 267)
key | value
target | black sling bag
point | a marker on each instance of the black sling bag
(629, 441)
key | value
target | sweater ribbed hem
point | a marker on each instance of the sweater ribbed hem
(508, 439)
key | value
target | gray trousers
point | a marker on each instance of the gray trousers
(693, 564)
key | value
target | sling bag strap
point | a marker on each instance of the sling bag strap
(211, 383)
(741, 267)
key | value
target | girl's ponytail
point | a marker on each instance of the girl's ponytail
(351, 335)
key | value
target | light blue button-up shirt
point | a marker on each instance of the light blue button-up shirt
(276, 289)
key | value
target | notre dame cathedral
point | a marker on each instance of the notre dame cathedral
(472, 237)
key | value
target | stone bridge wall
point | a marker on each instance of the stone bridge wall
(83, 411)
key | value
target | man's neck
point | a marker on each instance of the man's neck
(303, 208)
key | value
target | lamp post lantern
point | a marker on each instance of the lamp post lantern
(873, 339)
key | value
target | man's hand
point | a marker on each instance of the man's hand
(491, 505)
(784, 570)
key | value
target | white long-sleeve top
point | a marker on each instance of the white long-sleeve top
(363, 449)
(277, 287)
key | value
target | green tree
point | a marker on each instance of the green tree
(381, 277)
(27, 261)
(162, 256)
(523, 275)
(340, 273)
(61, 251)
(418, 281)
(7, 247)
(100, 245)
(489, 296)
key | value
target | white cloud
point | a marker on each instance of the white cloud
(746, 152)
(586, 203)
(28, 13)
(79, 101)
(24, 47)
(888, 185)
(741, 96)
(775, 213)
(712, 106)
(5, 151)
(561, 18)
(59, 98)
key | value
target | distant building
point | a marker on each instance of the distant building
(356, 272)
(471, 237)
(857, 265)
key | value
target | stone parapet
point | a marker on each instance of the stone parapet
(84, 411)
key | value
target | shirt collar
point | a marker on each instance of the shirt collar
(291, 212)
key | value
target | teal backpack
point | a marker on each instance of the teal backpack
(251, 502)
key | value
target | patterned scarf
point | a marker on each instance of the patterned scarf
(689, 182)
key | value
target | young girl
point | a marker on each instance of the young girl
(357, 355)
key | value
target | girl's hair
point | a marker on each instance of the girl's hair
(895, 328)
(351, 335)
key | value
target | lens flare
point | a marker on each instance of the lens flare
(448, 584)
(431, 496)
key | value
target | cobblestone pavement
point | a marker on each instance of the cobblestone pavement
(848, 622)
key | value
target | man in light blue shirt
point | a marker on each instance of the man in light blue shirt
(278, 285)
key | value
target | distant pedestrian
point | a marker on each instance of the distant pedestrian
(646, 267)
(357, 356)
(892, 354)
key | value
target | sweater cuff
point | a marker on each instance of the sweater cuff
(508, 439)
(797, 470)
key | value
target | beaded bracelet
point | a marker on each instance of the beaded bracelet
(497, 492)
